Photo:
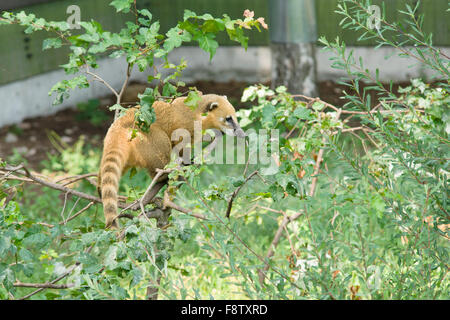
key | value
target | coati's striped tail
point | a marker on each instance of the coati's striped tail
(109, 177)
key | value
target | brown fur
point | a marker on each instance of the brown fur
(152, 150)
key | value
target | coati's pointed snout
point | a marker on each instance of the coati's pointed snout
(237, 130)
(234, 129)
(239, 133)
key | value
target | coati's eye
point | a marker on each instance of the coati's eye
(229, 119)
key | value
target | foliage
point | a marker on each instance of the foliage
(91, 112)
(372, 223)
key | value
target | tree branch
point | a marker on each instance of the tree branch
(134, 206)
(230, 202)
(98, 78)
(43, 285)
(122, 90)
(168, 203)
(51, 282)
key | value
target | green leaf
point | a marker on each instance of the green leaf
(206, 16)
(62, 87)
(189, 14)
(89, 37)
(133, 172)
(137, 277)
(169, 90)
(26, 254)
(119, 292)
(5, 244)
(110, 257)
(38, 240)
(207, 43)
(51, 43)
(121, 109)
(175, 38)
(301, 112)
(318, 106)
(145, 13)
(192, 99)
(237, 34)
(213, 26)
(268, 113)
(237, 182)
(142, 64)
(122, 5)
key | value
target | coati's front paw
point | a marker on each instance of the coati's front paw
(111, 223)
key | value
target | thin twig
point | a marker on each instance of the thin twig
(79, 212)
(122, 90)
(168, 203)
(98, 78)
(80, 177)
(43, 285)
(230, 202)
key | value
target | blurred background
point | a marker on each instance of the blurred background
(28, 120)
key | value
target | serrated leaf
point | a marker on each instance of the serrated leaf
(301, 112)
(207, 43)
(51, 43)
(122, 5)
(192, 99)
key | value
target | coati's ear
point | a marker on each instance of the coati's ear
(211, 106)
(226, 98)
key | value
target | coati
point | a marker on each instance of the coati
(152, 150)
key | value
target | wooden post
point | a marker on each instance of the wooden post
(292, 41)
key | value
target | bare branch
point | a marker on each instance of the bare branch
(43, 285)
(78, 213)
(134, 206)
(98, 78)
(168, 203)
(52, 282)
(52, 185)
(77, 178)
(122, 90)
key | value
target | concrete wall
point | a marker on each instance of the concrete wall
(29, 98)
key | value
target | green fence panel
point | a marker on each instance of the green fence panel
(437, 19)
(21, 55)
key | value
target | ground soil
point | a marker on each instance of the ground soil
(31, 137)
